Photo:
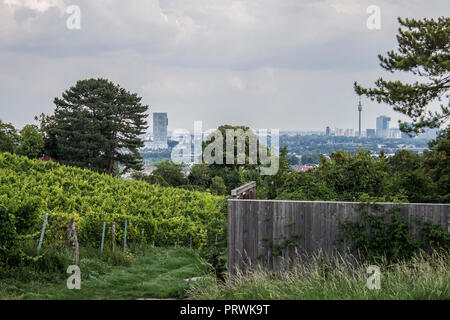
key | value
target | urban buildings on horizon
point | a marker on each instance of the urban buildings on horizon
(157, 140)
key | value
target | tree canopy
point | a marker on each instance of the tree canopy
(97, 125)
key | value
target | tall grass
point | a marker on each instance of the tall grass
(425, 276)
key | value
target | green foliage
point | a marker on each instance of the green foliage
(95, 121)
(404, 177)
(311, 158)
(31, 142)
(423, 50)
(30, 188)
(386, 236)
(200, 175)
(218, 186)
(436, 163)
(171, 173)
(8, 237)
(9, 139)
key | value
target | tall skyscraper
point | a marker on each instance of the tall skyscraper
(383, 126)
(359, 110)
(160, 123)
(328, 131)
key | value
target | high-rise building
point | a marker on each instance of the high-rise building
(383, 126)
(160, 123)
(370, 133)
(328, 131)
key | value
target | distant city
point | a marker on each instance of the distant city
(157, 139)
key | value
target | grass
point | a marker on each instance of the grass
(423, 277)
(149, 273)
(160, 272)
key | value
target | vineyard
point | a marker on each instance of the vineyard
(164, 216)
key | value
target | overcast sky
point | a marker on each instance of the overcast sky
(287, 64)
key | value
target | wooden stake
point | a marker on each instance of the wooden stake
(69, 234)
(76, 253)
(113, 231)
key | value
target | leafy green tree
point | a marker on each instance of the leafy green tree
(31, 142)
(311, 158)
(273, 184)
(218, 186)
(97, 124)
(200, 175)
(171, 173)
(436, 163)
(46, 123)
(424, 51)
(352, 176)
(9, 139)
(233, 173)
(404, 160)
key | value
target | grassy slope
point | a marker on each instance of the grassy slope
(156, 273)
(422, 278)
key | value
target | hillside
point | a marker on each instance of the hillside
(30, 188)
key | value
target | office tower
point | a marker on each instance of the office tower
(370, 133)
(328, 131)
(383, 126)
(359, 111)
(160, 123)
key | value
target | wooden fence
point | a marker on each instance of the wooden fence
(257, 227)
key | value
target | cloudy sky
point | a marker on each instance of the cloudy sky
(287, 64)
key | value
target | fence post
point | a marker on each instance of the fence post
(125, 236)
(103, 237)
(69, 234)
(113, 232)
(42, 233)
(76, 253)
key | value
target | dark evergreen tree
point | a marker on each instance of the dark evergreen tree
(97, 124)
(423, 50)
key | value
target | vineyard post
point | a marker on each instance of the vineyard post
(190, 241)
(76, 253)
(69, 234)
(125, 236)
(216, 240)
(103, 237)
(113, 232)
(42, 233)
(142, 236)
(175, 245)
(153, 243)
(206, 237)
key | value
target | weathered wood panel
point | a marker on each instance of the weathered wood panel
(256, 228)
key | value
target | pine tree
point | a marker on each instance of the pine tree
(423, 50)
(97, 124)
